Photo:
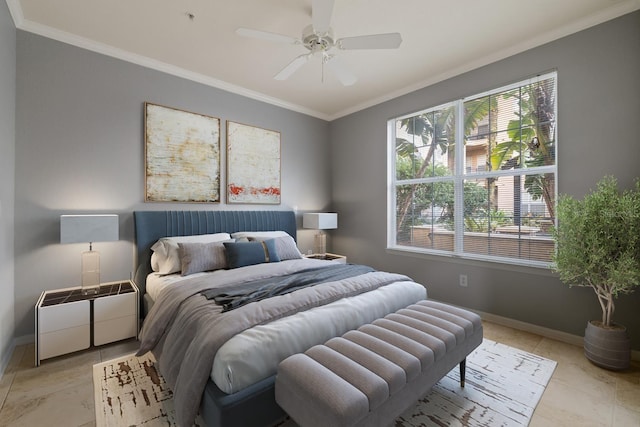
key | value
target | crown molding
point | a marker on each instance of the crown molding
(104, 49)
(599, 17)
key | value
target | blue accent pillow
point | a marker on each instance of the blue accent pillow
(241, 254)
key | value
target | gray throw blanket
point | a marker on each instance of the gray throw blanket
(234, 296)
(184, 330)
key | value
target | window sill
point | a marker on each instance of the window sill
(539, 268)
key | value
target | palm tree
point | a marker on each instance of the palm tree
(436, 130)
(532, 140)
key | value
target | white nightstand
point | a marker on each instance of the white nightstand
(329, 257)
(68, 321)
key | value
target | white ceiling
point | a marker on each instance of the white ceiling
(440, 39)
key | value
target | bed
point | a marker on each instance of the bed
(237, 388)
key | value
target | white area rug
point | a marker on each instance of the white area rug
(503, 387)
(129, 391)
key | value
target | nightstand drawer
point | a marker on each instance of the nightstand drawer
(64, 341)
(114, 330)
(63, 316)
(113, 307)
(69, 320)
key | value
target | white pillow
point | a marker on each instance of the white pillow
(264, 234)
(285, 246)
(166, 259)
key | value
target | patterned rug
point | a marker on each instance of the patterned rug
(503, 387)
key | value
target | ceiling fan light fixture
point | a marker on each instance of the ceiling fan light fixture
(317, 42)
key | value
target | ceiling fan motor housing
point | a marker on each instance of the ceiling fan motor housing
(317, 42)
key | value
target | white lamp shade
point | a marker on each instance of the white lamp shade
(320, 221)
(88, 228)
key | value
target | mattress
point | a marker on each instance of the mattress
(255, 353)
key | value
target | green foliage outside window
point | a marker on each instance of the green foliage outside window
(505, 171)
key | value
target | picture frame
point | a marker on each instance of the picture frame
(253, 165)
(182, 155)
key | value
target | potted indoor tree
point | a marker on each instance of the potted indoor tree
(598, 246)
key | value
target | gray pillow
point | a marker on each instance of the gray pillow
(285, 246)
(166, 259)
(197, 257)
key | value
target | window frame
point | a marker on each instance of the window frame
(460, 175)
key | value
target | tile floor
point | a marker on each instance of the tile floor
(60, 391)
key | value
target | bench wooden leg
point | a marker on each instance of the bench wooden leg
(463, 370)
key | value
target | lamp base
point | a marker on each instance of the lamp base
(320, 243)
(90, 272)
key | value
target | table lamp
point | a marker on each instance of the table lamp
(89, 229)
(320, 221)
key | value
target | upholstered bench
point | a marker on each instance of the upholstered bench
(369, 376)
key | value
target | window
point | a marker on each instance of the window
(477, 177)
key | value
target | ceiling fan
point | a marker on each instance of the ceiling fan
(318, 39)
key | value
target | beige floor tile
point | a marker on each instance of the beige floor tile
(623, 417)
(5, 386)
(10, 372)
(16, 359)
(520, 339)
(575, 370)
(28, 359)
(568, 406)
(53, 375)
(628, 388)
(562, 352)
(72, 406)
(119, 349)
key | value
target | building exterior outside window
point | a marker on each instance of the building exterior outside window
(477, 177)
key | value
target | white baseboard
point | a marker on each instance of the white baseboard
(541, 330)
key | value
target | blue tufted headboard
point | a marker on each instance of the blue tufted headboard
(152, 225)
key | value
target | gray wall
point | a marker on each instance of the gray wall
(79, 148)
(7, 157)
(598, 113)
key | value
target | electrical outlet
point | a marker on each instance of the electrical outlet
(463, 280)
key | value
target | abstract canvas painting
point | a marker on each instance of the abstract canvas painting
(253, 164)
(182, 156)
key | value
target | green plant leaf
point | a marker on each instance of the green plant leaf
(598, 242)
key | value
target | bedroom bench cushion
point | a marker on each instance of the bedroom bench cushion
(370, 376)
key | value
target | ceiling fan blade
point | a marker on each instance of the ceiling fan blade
(264, 35)
(292, 67)
(373, 41)
(346, 77)
(321, 11)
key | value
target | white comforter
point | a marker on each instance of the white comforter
(255, 353)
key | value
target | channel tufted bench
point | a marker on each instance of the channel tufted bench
(370, 376)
